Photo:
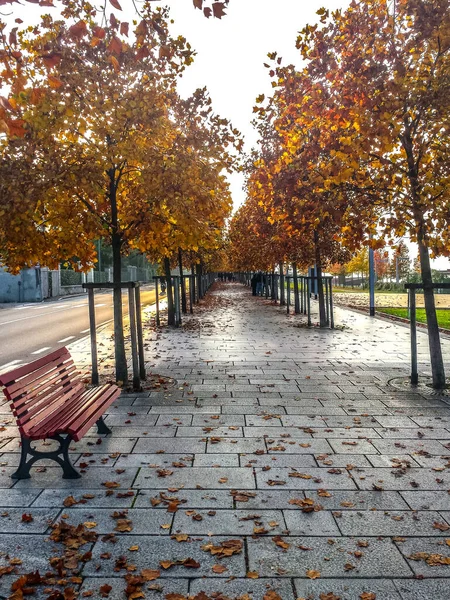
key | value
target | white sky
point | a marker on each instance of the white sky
(231, 53)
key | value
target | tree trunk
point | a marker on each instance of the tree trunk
(198, 267)
(182, 282)
(437, 364)
(282, 291)
(116, 243)
(193, 283)
(434, 342)
(322, 317)
(296, 296)
(274, 291)
(119, 341)
(169, 291)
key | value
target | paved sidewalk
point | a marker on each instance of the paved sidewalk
(279, 464)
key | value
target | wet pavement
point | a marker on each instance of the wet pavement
(273, 462)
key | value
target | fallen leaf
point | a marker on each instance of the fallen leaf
(180, 537)
(311, 574)
(27, 518)
(280, 542)
(150, 574)
(441, 526)
(70, 501)
(219, 568)
(105, 590)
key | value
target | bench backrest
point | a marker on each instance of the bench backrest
(40, 387)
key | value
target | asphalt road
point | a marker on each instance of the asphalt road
(29, 330)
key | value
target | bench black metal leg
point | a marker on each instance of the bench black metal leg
(69, 472)
(102, 427)
(23, 472)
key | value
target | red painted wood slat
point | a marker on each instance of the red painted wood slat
(6, 378)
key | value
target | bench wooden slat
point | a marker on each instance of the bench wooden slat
(46, 404)
(26, 399)
(66, 376)
(60, 419)
(6, 378)
(42, 412)
(55, 367)
(79, 427)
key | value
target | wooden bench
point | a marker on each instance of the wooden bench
(49, 401)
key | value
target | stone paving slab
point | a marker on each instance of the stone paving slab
(149, 522)
(255, 589)
(232, 523)
(309, 479)
(327, 556)
(154, 549)
(198, 477)
(363, 500)
(422, 548)
(172, 446)
(427, 500)
(37, 520)
(30, 549)
(94, 477)
(396, 480)
(346, 590)
(393, 523)
(189, 499)
(96, 498)
(18, 498)
(155, 590)
(417, 589)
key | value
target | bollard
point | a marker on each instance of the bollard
(331, 306)
(191, 293)
(140, 337)
(134, 351)
(412, 306)
(158, 321)
(309, 301)
(288, 293)
(93, 332)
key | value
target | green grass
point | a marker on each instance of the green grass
(344, 290)
(443, 315)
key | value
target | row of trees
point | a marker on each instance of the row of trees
(355, 145)
(96, 143)
(394, 265)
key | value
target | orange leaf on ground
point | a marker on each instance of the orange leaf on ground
(311, 574)
(150, 574)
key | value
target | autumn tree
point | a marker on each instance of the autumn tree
(386, 66)
(381, 263)
(191, 180)
(400, 264)
(311, 210)
(93, 138)
(359, 264)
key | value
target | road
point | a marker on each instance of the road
(29, 330)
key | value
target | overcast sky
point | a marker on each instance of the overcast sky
(232, 52)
